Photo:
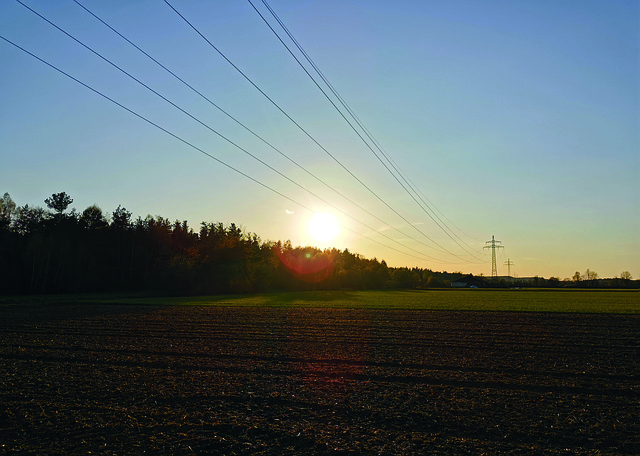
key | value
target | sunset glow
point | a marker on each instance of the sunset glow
(464, 121)
(323, 227)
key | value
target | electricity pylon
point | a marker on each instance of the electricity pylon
(509, 263)
(492, 245)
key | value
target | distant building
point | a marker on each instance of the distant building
(507, 279)
(516, 280)
(469, 281)
(526, 280)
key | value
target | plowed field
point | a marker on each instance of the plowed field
(107, 379)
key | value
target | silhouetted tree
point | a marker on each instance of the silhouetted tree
(590, 275)
(405, 278)
(434, 282)
(28, 219)
(57, 251)
(121, 219)
(626, 275)
(7, 210)
(93, 218)
(59, 202)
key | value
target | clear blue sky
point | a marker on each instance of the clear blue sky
(514, 119)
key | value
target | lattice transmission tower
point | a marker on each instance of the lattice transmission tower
(509, 263)
(492, 245)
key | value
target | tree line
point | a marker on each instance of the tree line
(591, 279)
(57, 250)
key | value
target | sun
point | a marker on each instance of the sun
(323, 227)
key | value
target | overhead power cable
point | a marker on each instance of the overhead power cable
(219, 134)
(441, 248)
(425, 256)
(255, 135)
(428, 210)
(140, 116)
(182, 140)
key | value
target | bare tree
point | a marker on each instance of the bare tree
(590, 275)
(626, 275)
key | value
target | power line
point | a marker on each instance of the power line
(184, 141)
(222, 136)
(253, 133)
(165, 99)
(140, 116)
(442, 249)
(227, 139)
(432, 215)
(347, 108)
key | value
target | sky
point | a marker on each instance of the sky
(513, 120)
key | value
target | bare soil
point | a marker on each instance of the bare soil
(101, 379)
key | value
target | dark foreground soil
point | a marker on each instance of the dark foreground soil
(204, 380)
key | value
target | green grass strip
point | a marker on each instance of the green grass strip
(525, 300)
